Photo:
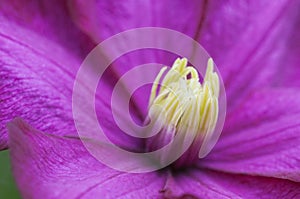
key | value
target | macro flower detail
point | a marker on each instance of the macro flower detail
(183, 106)
(255, 46)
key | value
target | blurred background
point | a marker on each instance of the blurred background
(8, 189)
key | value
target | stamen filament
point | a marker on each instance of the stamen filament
(186, 104)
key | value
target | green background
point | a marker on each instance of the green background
(8, 189)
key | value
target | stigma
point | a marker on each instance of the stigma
(183, 105)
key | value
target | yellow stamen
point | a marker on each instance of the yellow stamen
(187, 105)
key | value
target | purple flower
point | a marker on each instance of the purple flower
(255, 44)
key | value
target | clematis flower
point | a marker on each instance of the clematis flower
(255, 45)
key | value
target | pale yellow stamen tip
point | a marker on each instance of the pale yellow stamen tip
(185, 104)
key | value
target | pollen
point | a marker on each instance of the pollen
(182, 103)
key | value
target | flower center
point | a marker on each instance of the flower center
(186, 107)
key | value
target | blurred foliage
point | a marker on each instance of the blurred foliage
(8, 189)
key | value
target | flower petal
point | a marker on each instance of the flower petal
(36, 80)
(195, 184)
(102, 19)
(248, 40)
(261, 137)
(210, 184)
(50, 20)
(291, 77)
(47, 166)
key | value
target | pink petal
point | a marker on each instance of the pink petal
(248, 40)
(50, 19)
(36, 81)
(261, 137)
(47, 166)
(37, 78)
(209, 184)
(291, 77)
(195, 184)
(102, 19)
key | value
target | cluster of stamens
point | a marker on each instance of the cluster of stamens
(182, 104)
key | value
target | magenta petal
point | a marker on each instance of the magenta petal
(249, 42)
(102, 19)
(3, 141)
(208, 184)
(195, 184)
(36, 80)
(47, 166)
(50, 19)
(292, 59)
(261, 137)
